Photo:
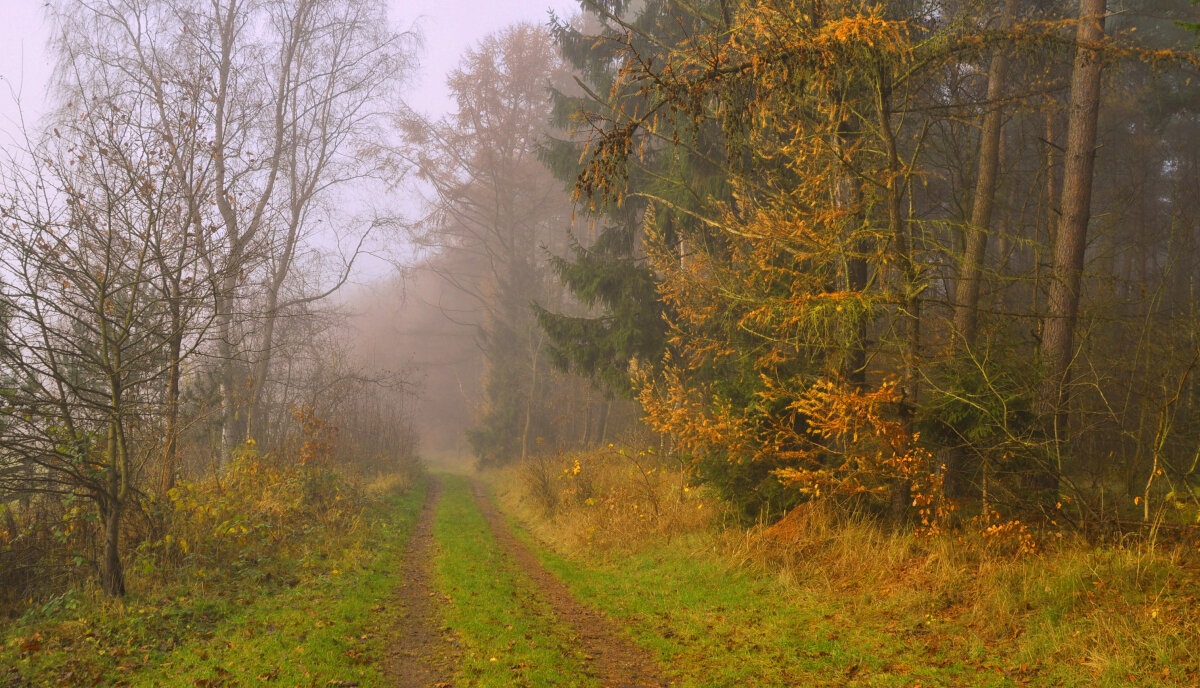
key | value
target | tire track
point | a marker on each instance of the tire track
(612, 658)
(421, 656)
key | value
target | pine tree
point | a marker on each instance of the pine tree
(609, 275)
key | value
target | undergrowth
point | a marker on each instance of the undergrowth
(836, 599)
(607, 498)
(264, 553)
(258, 519)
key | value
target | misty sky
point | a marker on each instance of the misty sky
(448, 28)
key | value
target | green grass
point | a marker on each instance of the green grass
(825, 600)
(509, 635)
(318, 629)
(715, 623)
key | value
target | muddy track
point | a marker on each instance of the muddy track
(612, 658)
(421, 655)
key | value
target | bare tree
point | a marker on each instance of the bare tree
(82, 354)
(267, 109)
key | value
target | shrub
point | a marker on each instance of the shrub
(258, 511)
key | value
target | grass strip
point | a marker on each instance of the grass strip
(714, 623)
(509, 635)
(321, 632)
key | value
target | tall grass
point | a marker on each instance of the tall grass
(1064, 608)
(605, 498)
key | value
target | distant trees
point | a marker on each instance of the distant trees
(495, 211)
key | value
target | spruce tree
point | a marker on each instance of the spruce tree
(609, 274)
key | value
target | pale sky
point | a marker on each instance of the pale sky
(448, 28)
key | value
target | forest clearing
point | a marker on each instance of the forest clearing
(612, 343)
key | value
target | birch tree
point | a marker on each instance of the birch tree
(267, 110)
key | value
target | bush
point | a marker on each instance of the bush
(47, 544)
(258, 511)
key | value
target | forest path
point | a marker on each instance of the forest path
(611, 657)
(422, 656)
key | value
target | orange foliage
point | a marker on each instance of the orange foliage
(319, 436)
(762, 311)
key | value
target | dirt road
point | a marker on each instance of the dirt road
(425, 654)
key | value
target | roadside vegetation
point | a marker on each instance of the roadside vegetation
(271, 572)
(828, 599)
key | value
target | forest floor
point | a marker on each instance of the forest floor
(450, 591)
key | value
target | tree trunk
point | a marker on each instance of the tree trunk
(1070, 240)
(256, 424)
(848, 194)
(966, 301)
(898, 503)
(907, 294)
(604, 412)
(233, 375)
(10, 523)
(531, 396)
(966, 297)
(232, 416)
(171, 450)
(587, 423)
(112, 574)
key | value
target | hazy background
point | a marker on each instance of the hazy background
(400, 308)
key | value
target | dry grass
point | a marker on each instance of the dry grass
(1111, 609)
(605, 498)
(390, 484)
(1070, 611)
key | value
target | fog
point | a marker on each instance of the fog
(404, 320)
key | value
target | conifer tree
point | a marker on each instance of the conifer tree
(607, 273)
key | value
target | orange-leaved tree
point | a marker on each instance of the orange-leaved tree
(782, 295)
